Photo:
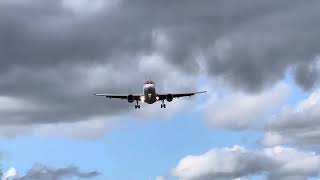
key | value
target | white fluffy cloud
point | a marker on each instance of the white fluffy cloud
(299, 124)
(241, 111)
(237, 162)
(10, 174)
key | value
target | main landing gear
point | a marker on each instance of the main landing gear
(137, 106)
(163, 105)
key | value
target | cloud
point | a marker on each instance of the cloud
(160, 178)
(296, 125)
(239, 111)
(41, 172)
(238, 162)
(87, 8)
(250, 48)
(87, 130)
(9, 174)
(55, 54)
(260, 48)
(306, 75)
(54, 98)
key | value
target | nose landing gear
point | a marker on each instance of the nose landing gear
(163, 105)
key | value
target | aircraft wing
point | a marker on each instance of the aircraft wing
(164, 96)
(120, 96)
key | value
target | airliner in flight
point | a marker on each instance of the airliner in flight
(149, 95)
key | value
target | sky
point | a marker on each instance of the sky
(259, 61)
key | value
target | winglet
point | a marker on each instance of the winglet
(99, 94)
(200, 92)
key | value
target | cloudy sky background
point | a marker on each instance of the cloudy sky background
(258, 59)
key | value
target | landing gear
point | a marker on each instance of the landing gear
(137, 106)
(163, 105)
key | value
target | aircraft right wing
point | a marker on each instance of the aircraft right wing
(121, 96)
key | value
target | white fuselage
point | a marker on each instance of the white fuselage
(149, 92)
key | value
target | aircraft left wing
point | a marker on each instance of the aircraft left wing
(171, 96)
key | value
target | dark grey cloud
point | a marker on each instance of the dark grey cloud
(266, 37)
(53, 58)
(39, 34)
(307, 74)
(40, 172)
(262, 50)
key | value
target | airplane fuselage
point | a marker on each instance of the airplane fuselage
(149, 92)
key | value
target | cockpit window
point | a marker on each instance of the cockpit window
(149, 82)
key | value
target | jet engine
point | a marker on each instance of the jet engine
(130, 98)
(169, 97)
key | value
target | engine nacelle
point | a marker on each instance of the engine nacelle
(130, 98)
(169, 97)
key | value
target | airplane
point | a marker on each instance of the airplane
(149, 95)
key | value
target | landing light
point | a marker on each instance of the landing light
(142, 98)
(157, 98)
